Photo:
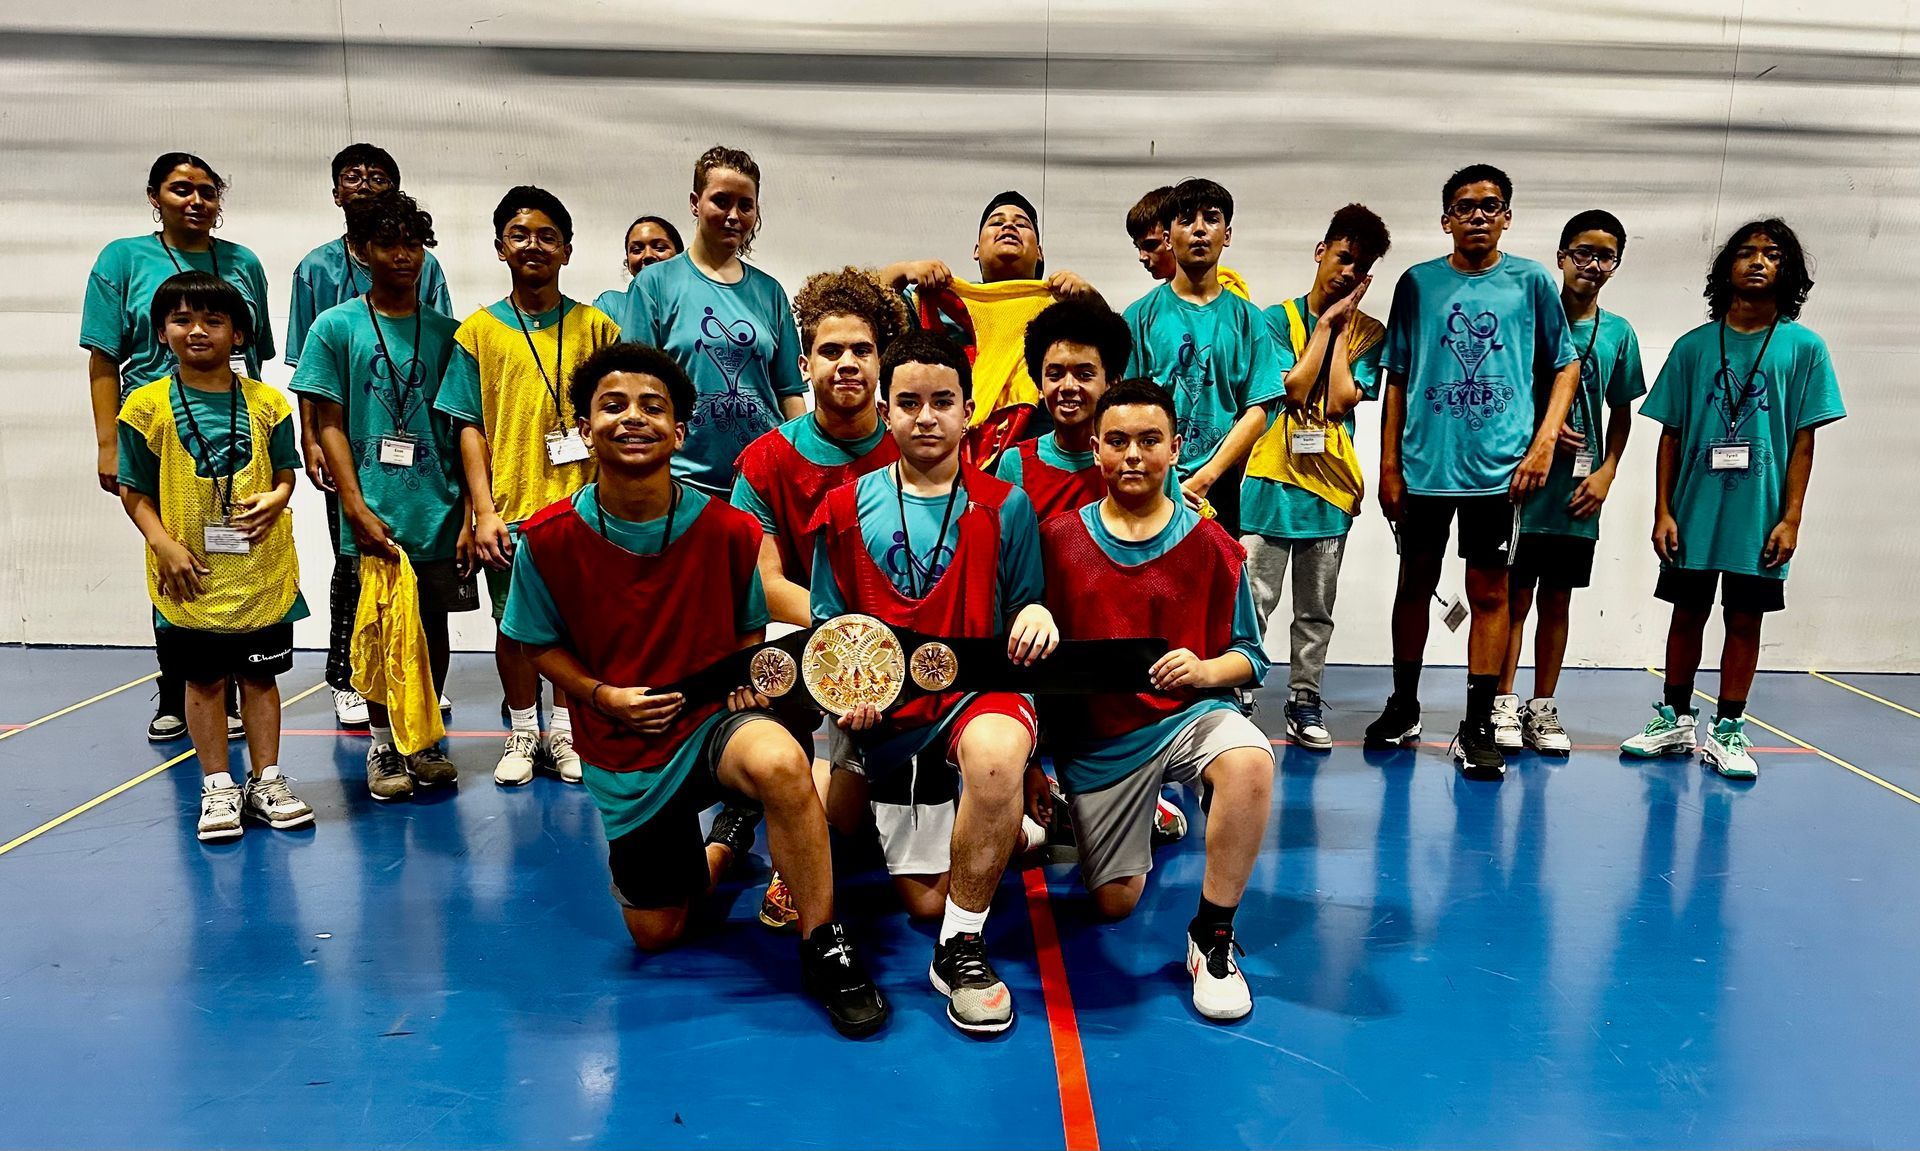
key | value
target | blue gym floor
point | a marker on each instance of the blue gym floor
(1592, 953)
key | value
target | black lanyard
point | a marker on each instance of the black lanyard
(206, 446)
(906, 540)
(213, 254)
(559, 356)
(673, 508)
(353, 278)
(405, 395)
(1591, 419)
(1736, 402)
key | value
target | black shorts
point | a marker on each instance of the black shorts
(1551, 559)
(1693, 590)
(1489, 527)
(663, 862)
(443, 589)
(211, 656)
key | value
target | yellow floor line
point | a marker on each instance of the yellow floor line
(73, 707)
(129, 785)
(1820, 675)
(1819, 751)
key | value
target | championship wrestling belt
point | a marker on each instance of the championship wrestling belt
(855, 660)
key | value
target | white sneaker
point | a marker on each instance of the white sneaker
(446, 706)
(1033, 834)
(1219, 990)
(1668, 733)
(220, 814)
(516, 759)
(1506, 722)
(566, 761)
(349, 708)
(1540, 727)
(1726, 749)
(273, 803)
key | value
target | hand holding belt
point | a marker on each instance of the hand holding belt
(855, 660)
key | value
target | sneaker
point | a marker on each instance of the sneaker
(1169, 822)
(734, 829)
(430, 767)
(1506, 722)
(515, 768)
(1306, 727)
(1726, 749)
(978, 1003)
(349, 708)
(1219, 990)
(446, 706)
(832, 974)
(1540, 729)
(560, 754)
(169, 716)
(220, 814)
(273, 803)
(1476, 755)
(387, 776)
(1398, 725)
(776, 906)
(1668, 733)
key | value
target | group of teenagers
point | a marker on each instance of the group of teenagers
(648, 489)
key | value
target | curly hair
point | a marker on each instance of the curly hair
(389, 217)
(850, 292)
(1362, 227)
(1790, 287)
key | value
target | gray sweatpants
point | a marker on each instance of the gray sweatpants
(1316, 577)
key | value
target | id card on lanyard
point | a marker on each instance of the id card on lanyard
(219, 537)
(397, 447)
(1586, 421)
(1733, 453)
(564, 445)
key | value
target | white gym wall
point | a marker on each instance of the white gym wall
(883, 127)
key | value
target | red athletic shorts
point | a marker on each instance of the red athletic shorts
(1015, 707)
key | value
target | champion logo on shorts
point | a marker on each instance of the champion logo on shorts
(258, 658)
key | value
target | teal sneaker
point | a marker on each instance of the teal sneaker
(1668, 733)
(1726, 749)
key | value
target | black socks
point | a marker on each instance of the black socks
(1731, 709)
(1679, 697)
(1406, 681)
(1480, 692)
(1208, 921)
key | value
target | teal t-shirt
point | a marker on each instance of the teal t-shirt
(626, 799)
(737, 344)
(1610, 377)
(116, 318)
(1282, 511)
(1092, 766)
(223, 445)
(329, 275)
(1725, 517)
(1010, 466)
(1217, 359)
(1468, 346)
(388, 391)
(815, 446)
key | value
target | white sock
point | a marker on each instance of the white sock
(1034, 834)
(558, 720)
(382, 736)
(271, 771)
(959, 921)
(217, 780)
(1539, 703)
(525, 718)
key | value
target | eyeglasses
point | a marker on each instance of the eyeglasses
(354, 178)
(1589, 258)
(1464, 209)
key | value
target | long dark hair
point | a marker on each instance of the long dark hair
(1790, 287)
(168, 161)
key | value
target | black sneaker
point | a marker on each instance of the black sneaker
(978, 1003)
(1475, 753)
(733, 829)
(170, 712)
(832, 974)
(1398, 725)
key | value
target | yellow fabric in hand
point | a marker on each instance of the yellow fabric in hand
(1000, 313)
(389, 651)
(1334, 475)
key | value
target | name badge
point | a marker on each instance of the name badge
(1730, 456)
(397, 450)
(225, 540)
(565, 448)
(1453, 612)
(1308, 441)
(1582, 465)
(237, 362)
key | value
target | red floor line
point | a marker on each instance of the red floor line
(1069, 1061)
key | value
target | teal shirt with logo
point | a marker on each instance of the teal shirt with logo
(329, 275)
(1218, 359)
(1469, 346)
(116, 319)
(1726, 516)
(386, 385)
(737, 344)
(1610, 377)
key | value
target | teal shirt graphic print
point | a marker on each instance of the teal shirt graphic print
(1218, 359)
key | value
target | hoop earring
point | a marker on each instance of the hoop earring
(156, 215)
